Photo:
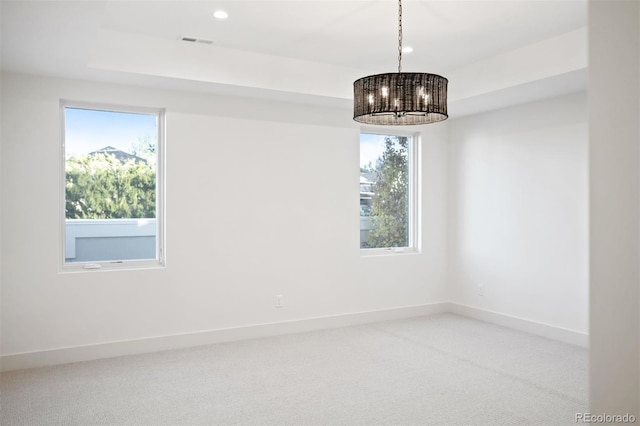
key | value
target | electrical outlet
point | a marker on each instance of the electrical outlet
(279, 301)
(480, 290)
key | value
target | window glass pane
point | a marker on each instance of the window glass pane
(111, 161)
(384, 191)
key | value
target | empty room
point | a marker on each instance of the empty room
(318, 212)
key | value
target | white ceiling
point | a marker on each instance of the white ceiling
(282, 47)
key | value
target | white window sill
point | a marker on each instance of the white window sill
(392, 251)
(128, 265)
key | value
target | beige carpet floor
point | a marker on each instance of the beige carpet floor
(433, 370)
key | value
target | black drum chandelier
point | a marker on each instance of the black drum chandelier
(401, 98)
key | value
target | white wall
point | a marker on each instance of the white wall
(614, 140)
(258, 205)
(518, 209)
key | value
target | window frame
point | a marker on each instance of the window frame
(415, 201)
(160, 260)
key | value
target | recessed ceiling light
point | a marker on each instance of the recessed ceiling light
(407, 49)
(220, 14)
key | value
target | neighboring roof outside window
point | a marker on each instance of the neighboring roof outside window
(119, 154)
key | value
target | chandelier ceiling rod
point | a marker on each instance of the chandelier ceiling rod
(399, 36)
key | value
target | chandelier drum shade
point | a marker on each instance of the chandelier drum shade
(401, 98)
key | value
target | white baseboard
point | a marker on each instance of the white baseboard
(541, 329)
(153, 344)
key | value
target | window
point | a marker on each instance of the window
(112, 187)
(388, 188)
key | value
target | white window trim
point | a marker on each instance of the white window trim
(160, 261)
(415, 200)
